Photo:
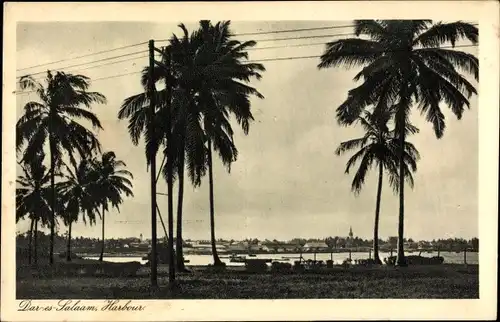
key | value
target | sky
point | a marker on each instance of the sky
(287, 181)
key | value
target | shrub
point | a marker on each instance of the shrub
(217, 268)
(256, 265)
(73, 255)
(365, 262)
(278, 267)
(298, 267)
(416, 260)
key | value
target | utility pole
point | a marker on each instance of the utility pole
(152, 158)
(168, 89)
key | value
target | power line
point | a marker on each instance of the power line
(240, 34)
(281, 31)
(83, 56)
(94, 61)
(289, 46)
(294, 38)
(299, 30)
(113, 63)
(144, 51)
(291, 30)
(120, 75)
(317, 56)
(257, 61)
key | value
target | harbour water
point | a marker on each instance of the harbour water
(338, 258)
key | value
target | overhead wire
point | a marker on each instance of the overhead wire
(250, 61)
(94, 61)
(83, 56)
(237, 34)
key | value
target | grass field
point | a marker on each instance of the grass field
(443, 281)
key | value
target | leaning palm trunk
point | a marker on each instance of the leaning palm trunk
(376, 257)
(30, 241)
(68, 246)
(102, 239)
(217, 260)
(178, 240)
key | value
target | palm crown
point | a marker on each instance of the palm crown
(61, 102)
(379, 145)
(110, 182)
(402, 61)
(33, 191)
(78, 193)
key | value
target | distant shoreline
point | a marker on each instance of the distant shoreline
(141, 254)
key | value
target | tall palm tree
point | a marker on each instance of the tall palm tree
(379, 146)
(79, 196)
(206, 81)
(62, 101)
(222, 92)
(109, 182)
(33, 199)
(405, 64)
(136, 109)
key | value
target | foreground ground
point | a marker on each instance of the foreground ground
(443, 281)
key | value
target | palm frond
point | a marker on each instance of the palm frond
(350, 52)
(441, 33)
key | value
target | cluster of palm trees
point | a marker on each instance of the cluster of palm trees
(80, 181)
(404, 66)
(205, 85)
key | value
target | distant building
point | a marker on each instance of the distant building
(258, 248)
(237, 247)
(280, 247)
(350, 238)
(315, 246)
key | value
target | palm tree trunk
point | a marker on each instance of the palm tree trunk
(30, 241)
(178, 240)
(53, 195)
(376, 257)
(217, 261)
(35, 243)
(102, 239)
(401, 119)
(68, 246)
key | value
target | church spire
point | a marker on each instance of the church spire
(350, 232)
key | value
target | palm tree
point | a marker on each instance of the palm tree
(206, 88)
(378, 146)
(79, 196)
(33, 199)
(405, 64)
(109, 183)
(64, 99)
(221, 92)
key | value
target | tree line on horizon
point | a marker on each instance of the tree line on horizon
(402, 67)
(89, 245)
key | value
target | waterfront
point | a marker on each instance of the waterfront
(338, 258)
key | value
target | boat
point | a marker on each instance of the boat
(252, 255)
(237, 259)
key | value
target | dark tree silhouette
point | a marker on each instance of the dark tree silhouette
(207, 86)
(109, 182)
(33, 199)
(79, 197)
(64, 99)
(403, 66)
(379, 146)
